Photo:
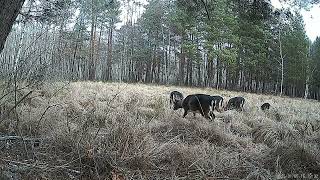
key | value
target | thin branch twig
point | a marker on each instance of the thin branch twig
(17, 103)
(44, 112)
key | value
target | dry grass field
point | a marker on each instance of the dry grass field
(127, 131)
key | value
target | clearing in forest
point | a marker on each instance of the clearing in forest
(127, 130)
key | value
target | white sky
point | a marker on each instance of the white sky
(312, 22)
(311, 19)
(125, 7)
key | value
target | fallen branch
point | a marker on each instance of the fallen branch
(42, 167)
(5, 138)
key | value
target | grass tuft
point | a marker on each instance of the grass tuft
(99, 130)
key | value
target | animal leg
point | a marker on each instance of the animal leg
(202, 113)
(207, 112)
(212, 115)
(185, 113)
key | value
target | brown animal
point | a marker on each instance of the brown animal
(235, 103)
(197, 103)
(265, 106)
(218, 103)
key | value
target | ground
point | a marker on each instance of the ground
(128, 131)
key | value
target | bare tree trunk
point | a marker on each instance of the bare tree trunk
(17, 56)
(9, 11)
(109, 57)
(153, 67)
(176, 64)
(199, 73)
(122, 63)
(74, 71)
(306, 91)
(164, 60)
(218, 73)
(210, 70)
(187, 73)
(181, 67)
(218, 69)
(190, 83)
(92, 64)
(168, 58)
(239, 72)
(282, 64)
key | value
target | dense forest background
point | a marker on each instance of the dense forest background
(225, 44)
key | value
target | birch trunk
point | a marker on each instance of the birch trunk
(282, 64)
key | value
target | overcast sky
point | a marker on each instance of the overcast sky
(311, 19)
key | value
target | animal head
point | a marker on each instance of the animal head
(177, 104)
(265, 106)
(224, 106)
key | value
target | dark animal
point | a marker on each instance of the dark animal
(218, 101)
(200, 103)
(175, 96)
(235, 103)
(265, 106)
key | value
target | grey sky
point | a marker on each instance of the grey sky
(311, 19)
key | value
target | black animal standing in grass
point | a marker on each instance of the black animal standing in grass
(175, 96)
(218, 101)
(235, 103)
(265, 106)
(200, 103)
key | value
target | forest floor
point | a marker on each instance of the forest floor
(127, 131)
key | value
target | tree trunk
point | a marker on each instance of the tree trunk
(218, 70)
(187, 73)
(306, 91)
(9, 11)
(199, 73)
(168, 58)
(18, 54)
(109, 56)
(73, 67)
(226, 82)
(282, 63)
(158, 70)
(92, 64)
(181, 67)
(209, 71)
(239, 80)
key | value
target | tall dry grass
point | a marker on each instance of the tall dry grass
(115, 130)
